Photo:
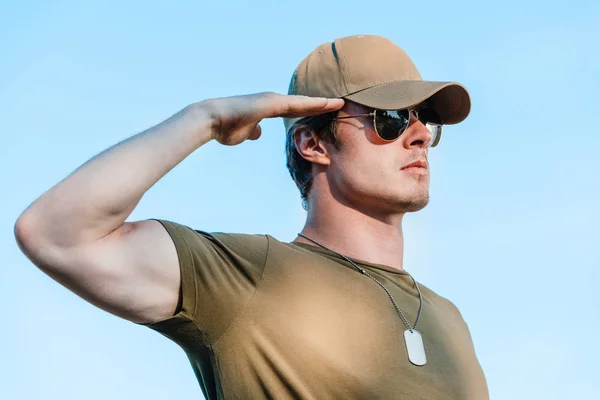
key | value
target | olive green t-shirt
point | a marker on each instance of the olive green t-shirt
(264, 319)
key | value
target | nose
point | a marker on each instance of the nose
(417, 134)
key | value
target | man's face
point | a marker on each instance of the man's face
(367, 172)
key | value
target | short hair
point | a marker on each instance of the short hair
(323, 126)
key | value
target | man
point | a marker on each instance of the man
(332, 315)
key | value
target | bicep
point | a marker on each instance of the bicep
(132, 273)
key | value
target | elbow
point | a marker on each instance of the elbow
(28, 240)
(21, 228)
(23, 232)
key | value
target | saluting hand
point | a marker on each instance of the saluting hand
(236, 119)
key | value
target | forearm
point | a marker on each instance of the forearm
(98, 197)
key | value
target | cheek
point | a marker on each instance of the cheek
(366, 170)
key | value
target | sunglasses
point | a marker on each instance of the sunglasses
(390, 124)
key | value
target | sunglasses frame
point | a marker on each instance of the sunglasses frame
(411, 111)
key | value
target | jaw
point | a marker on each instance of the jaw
(408, 194)
(385, 206)
(371, 192)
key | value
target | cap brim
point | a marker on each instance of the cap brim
(449, 99)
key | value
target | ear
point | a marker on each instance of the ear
(311, 147)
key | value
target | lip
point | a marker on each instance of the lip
(418, 167)
(416, 164)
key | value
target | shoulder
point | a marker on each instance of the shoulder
(216, 247)
(187, 232)
(447, 309)
(442, 303)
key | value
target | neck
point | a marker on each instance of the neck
(356, 234)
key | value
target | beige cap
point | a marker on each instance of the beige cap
(375, 72)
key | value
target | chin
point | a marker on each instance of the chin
(412, 203)
(416, 206)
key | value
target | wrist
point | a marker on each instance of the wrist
(202, 118)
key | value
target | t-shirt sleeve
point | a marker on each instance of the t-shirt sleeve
(220, 273)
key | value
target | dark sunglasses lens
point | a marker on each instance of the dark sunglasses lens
(391, 123)
(428, 115)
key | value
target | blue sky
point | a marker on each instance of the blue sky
(510, 236)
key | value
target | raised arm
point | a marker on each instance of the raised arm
(76, 231)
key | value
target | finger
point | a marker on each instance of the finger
(255, 133)
(303, 106)
(270, 105)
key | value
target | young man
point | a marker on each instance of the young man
(332, 315)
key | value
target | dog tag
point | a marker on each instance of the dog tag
(414, 347)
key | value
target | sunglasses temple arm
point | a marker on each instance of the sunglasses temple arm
(354, 116)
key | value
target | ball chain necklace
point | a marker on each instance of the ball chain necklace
(413, 339)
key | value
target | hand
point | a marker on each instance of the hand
(236, 119)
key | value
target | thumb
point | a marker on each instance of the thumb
(255, 133)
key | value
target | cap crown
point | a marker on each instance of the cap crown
(351, 64)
